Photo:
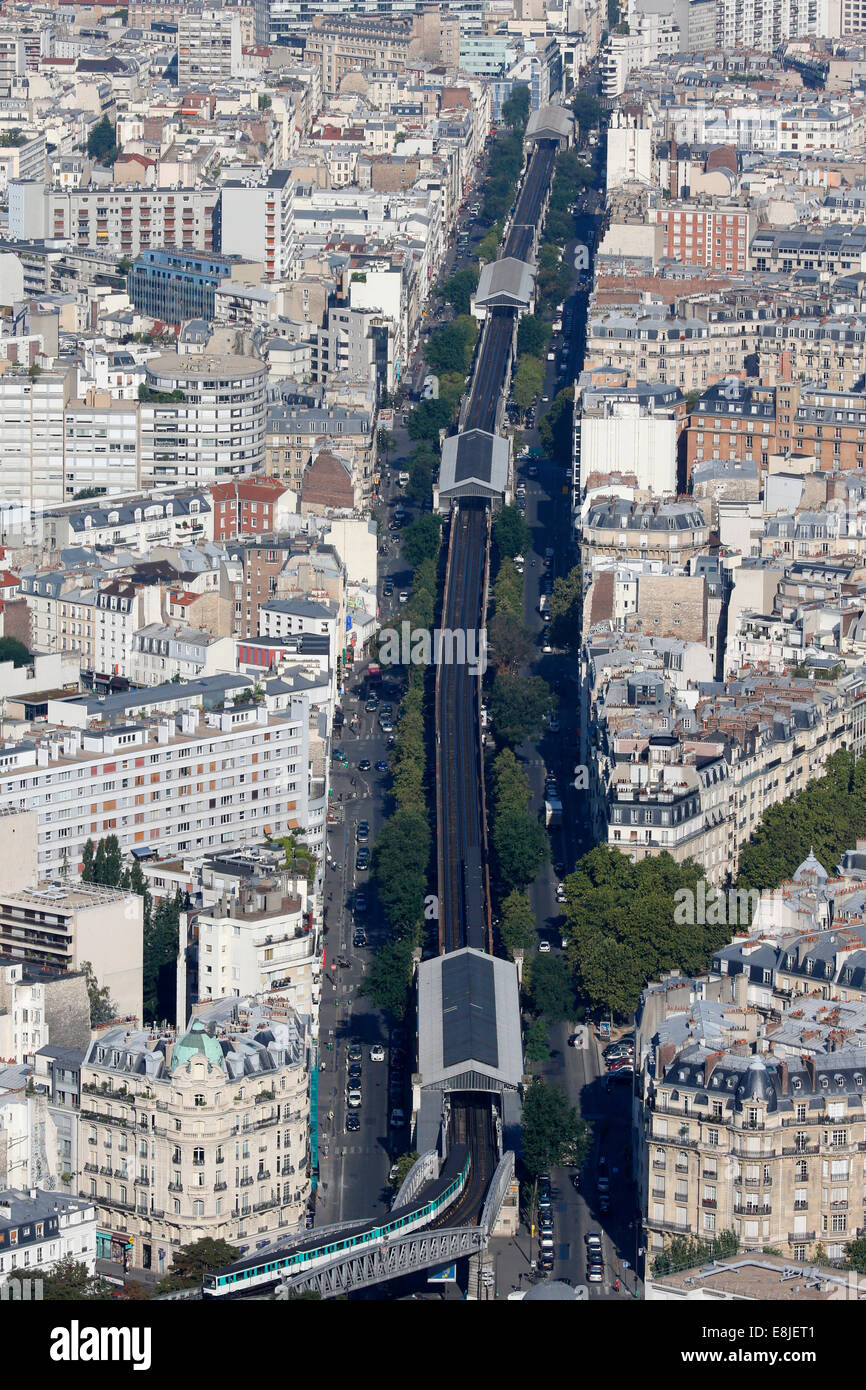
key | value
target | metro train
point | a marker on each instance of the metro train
(258, 1274)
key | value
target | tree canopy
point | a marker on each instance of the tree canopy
(566, 609)
(421, 538)
(551, 988)
(190, 1263)
(13, 650)
(520, 843)
(518, 706)
(511, 532)
(533, 335)
(102, 142)
(515, 111)
(621, 927)
(556, 426)
(516, 923)
(511, 645)
(68, 1281)
(827, 816)
(553, 1132)
(528, 381)
(459, 289)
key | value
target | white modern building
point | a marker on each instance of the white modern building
(215, 427)
(258, 223)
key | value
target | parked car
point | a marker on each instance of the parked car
(362, 859)
(362, 831)
(398, 1119)
(355, 1054)
(353, 1122)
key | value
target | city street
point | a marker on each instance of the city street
(353, 1166)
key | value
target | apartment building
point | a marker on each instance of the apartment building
(134, 523)
(626, 428)
(101, 445)
(198, 1134)
(179, 782)
(123, 220)
(161, 653)
(716, 236)
(67, 924)
(672, 531)
(747, 423)
(338, 44)
(296, 432)
(688, 352)
(253, 507)
(261, 938)
(173, 286)
(40, 1228)
(32, 412)
(208, 46)
(258, 223)
(771, 1148)
(830, 350)
(217, 425)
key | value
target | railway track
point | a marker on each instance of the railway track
(472, 1124)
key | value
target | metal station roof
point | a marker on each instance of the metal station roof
(507, 283)
(550, 123)
(469, 1022)
(474, 464)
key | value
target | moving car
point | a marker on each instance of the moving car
(353, 1122)
(364, 765)
(398, 1119)
(377, 1053)
(362, 859)
(560, 892)
(382, 766)
(544, 947)
(403, 595)
(359, 939)
(372, 705)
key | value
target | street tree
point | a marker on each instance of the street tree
(510, 644)
(518, 706)
(552, 1129)
(551, 989)
(516, 923)
(528, 381)
(511, 532)
(421, 539)
(190, 1263)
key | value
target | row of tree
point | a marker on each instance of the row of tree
(827, 816)
(401, 862)
(520, 843)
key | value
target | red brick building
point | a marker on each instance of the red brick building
(248, 507)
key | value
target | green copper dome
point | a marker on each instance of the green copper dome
(196, 1042)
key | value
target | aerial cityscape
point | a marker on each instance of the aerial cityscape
(433, 659)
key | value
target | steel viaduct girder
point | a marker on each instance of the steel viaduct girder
(403, 1255)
